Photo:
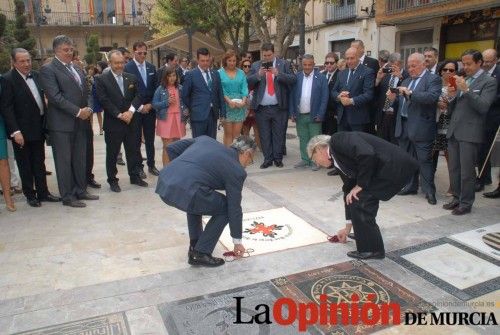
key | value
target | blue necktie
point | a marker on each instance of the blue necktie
(119, 79)
(411, 87)
(209, 80)
(143, 74)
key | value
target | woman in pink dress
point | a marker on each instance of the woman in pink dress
(167, 103)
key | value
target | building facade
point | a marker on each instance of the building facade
(116, 22)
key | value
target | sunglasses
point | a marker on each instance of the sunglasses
(141, 53)
(246, 66)
(329, 63)
(448, 70)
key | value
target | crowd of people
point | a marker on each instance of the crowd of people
(426, 107)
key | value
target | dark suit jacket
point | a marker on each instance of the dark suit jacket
(319, 96)
(283, 83)
(379, 167)
(421, 108)
(197, 97)
(360, 88)
(493, 116)
(65, 97)
(381, 90)
(468, 112)
(113, 101)
(203, 165)
(372, 63)
(331, 107)
(146, 93)
(19, 107)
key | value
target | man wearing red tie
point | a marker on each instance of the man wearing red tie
(272, 80)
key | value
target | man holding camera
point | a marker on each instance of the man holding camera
(416, 122)
(272, 79)
(389, 77)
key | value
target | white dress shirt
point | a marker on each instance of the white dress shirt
(34, 91)
(119, 78)
(305, 96)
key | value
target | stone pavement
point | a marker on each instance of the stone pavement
(117, 265)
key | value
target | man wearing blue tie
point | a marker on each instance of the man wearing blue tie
(202, 94)
(145, 72)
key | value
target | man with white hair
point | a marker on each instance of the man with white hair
(372, 169)
(198, 168)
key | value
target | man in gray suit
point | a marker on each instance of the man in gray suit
(67, 121)
(198, 168)
(272, 80)
(472, 99)
(416, 122)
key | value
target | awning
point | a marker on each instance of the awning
(179, 40)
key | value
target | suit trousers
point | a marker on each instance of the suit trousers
(206, 127)
(207, 202)
(363, 214)
(69, 150)
(145, 124)
(114, 140)
(386, 127)
(272, 121)
(329, 125)
(345, 126)
(422, 152)
(306, 129)
(462, 158)
(90, 154)
(30, 161)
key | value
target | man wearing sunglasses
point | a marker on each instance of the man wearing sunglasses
(145, 116)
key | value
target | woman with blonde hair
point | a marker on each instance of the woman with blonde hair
(235, 90)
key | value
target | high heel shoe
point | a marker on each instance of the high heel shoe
(11, 208)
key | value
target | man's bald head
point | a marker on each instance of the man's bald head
(416, 64)
(352, 58)
(490, 58)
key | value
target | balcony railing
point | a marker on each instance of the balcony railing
(343, 11)
(398, 6)
(82, 19)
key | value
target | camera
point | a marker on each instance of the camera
(387, 70)
(394, 90)
(267, 65)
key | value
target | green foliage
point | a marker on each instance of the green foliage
(93, 55)
(21, 32)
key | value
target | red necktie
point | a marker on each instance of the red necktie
(270, 83)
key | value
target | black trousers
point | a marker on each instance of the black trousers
(386, 127)
(272, 123)
(345, 126)
(114, 140)
(30, 161)
(329, 125)
(90, 154)
(206, 127)
(145, 123)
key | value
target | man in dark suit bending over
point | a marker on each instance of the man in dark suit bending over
(198, 168)
(372, 169)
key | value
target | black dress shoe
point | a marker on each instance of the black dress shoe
(49, 198)
(48, 173)
(461, 211)
(115, 187)
(139, 182)
(199, 258)
(366, 255)
(154, 171)
(431, 199)
(278, 164)
(120, 161)
(265, 165)
(142, 175)
(351, 236)
(479, 187)
(451, 205)
(34, 202)
(333, 172)
(493, 194)
(74, 203)
(406, 192)
(92, 183)
(87, 196)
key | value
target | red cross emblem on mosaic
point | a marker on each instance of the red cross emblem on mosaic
(260, 227)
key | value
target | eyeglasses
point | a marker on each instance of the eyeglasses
(141, 53)
(329, 63)
(448, 70)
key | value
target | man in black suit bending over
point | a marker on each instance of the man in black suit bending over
(372, 169)
(118, 94)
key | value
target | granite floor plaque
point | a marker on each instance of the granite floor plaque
(113, 324)
(215, 314)
(453, 267)
(485, 240)
(339, 282)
